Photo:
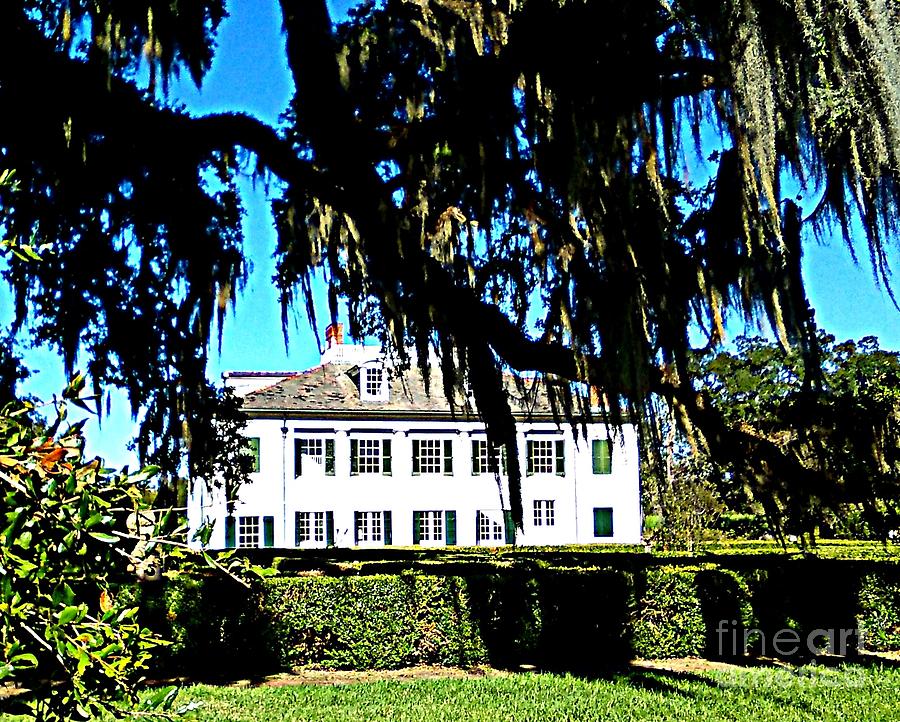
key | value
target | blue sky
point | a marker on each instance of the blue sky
(249, 74)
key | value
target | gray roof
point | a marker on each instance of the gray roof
(331, 390)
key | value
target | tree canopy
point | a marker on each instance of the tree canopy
(508, 180)
(847, 428)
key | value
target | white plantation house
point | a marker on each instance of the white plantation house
(349, 454)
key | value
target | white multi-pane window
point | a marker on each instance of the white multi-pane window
(489, 529)
(432, 456)
(248, 532)
(487, 458)
(316, 454)
(369, 455)
(373, 380)
(546, 456)
(429, 455)
(541, 456)
(431, 526)
(310, 526)
(313, 449)
(544, 514)
(369, 526)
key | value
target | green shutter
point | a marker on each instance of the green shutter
(603, 522)
(269, 531)
(448, 457)
(601, 452)
(450, 527)
(417, 521)
(388, 528)
(509, 526)
(560, 458)
(415, 459)
(329, 457)
(230, 532)
(329, 528)
(476, 461)
(296, 528)
(477, 528)
(299, 449)
(529, 462)
(354, 456)
(386, 457)
(254, 452)
(356, 516)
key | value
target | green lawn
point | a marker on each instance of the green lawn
(850, 693)
(754, 694)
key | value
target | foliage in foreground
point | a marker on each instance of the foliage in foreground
(835, 414)
(763, 695)
(65, 635)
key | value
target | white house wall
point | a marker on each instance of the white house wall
(275, 492)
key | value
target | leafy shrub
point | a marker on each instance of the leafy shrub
(879, 610)
(65, 634)
(667, 619)
(578, 618)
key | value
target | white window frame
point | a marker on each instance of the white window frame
(314, 523)
(249, 532)
(431, 456)
(318, 444)
(491, 458)
(369, 528)
(315, 450)
(490, 532)
(542, 453)
(544, 512)
(432, 528)
(373, 382)
(374, 462)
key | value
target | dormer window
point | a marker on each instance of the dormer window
(373, 385)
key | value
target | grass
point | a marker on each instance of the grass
(757, 694)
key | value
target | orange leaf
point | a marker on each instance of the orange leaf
(49, 461)
(106, 601)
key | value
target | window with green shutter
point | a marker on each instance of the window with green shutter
(386, 463)
(371, 526)
(545, 456)
(431, 527)
(603, 522)
(450, 527)
(432, 456)
(448, 457)
(230, 532)
(354, 456)
(509, 526)
(601, 452)
(329, 457)
(560, 457)
(329, 528)
(388, 527)
(417, 527)
(252, 450)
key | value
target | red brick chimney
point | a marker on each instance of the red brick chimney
(334, 335)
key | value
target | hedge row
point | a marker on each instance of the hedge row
(552, 618)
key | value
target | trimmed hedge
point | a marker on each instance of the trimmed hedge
(554, 618)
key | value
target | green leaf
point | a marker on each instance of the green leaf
(107, 538)
(161, 698)
(24, 661)
(70, 614)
